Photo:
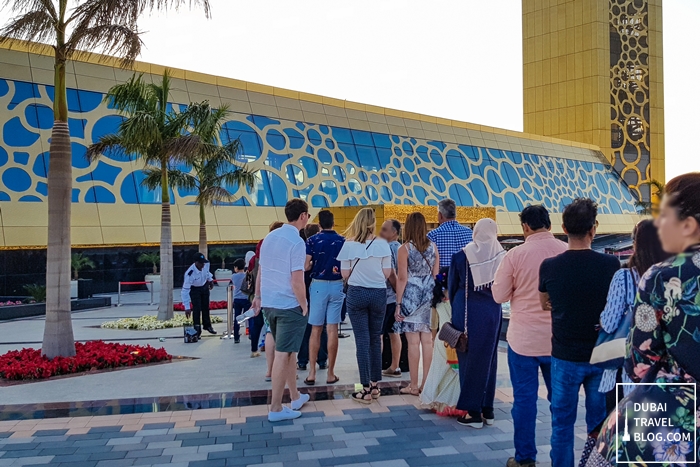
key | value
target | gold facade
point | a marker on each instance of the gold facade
(593, 73)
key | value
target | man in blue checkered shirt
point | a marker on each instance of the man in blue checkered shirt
(450, 237)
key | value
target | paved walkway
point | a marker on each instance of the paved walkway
(392, 432)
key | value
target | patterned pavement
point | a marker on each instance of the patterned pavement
(392, 432)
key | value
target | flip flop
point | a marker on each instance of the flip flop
(335, 380)
(309, 382)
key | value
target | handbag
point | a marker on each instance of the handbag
(346, 282)
(610, 348)
(449, 334)
(190, 334)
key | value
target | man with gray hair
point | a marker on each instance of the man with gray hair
(450, 236)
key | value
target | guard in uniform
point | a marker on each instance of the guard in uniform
(195, 293)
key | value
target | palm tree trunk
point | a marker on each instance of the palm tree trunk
(202, 231)
(58, 330)
(165, 305)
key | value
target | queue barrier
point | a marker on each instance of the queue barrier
(119, 290)
(229, 312)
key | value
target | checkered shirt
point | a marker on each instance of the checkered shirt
(450, 237)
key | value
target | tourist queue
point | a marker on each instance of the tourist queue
(451, 282)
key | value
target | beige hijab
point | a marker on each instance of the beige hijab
(485, 253)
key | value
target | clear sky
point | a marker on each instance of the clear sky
(459, 59)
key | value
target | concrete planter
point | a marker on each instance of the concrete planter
(223, 274)
(156, 284)
(39, 309)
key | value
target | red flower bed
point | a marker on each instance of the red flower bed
(220, 305)
(96, 355)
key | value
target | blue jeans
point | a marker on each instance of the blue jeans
(524, 376)
(567, 378)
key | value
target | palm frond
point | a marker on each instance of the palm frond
(214, 195)
(140, 132)
(117, 40)
(35, 26)
(182, 149)
(176, 178)
(240, 177)
(31, 5)
(111, 144)
(131, 96)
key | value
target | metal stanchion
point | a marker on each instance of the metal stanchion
(119, 295)
(152, 302)
(229, 312)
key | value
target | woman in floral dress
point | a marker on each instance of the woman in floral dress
(418, 264)
(664, 344)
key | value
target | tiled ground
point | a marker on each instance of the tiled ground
(391, 432)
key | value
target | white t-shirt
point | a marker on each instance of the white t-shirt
(370, 262)
(283, 252)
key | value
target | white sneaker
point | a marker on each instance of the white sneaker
(285, 414)
(299, 403)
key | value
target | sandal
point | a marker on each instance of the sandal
(309, 382)
(334, 380)
(360, 396)
(376, 392)
(408, 390)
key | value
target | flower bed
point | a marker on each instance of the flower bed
(13, 303)
(151, 323)
(28, 364)
(220, 305)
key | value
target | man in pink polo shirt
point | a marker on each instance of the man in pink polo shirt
(530, 328)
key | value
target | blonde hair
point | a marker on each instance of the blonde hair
(362, 226)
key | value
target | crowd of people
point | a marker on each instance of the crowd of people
(444, 289)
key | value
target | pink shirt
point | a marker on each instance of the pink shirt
(517, 281)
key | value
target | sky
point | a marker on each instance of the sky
(457, 59)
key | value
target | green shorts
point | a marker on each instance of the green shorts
(287, 327)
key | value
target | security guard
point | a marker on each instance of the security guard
(195, 293)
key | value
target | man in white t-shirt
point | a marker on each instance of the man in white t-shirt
(282, 293)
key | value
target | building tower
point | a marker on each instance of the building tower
(593, 73)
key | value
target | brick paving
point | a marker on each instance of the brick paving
(392, 432)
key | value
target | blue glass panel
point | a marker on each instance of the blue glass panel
(439, 184)
(446, 175)
(16, 179)
(479, 190)
(513, 204)
(381, 140)
(395, 139)
(425, 174)
(397, 188)
(384, 156)
(324, 156)
(397, 162)
(30, 199)
(385, 178)
(296, 139)
(331, 189)
(339, 174)
(409, 165)
(398, 152)
(354, 186)
(371, 193)
(39, 116)
(527, 187)
(510, 175)
(146, 196)
(375, 179)
(461, 195)
(314, 137)
(386, 194)
(4, 158)
(103, 173)
(339, 158)
(350, 152)
(42, 188)
(319, 201)
(185, 192)
(300, 125)
(310, 165)
(363, 138)
(278, 188)
(21, 157)
(128, 190)
(78, 156)
(405, 179)
(407, 148)
(15, 134)
(422, 152)
(363, 176)
(89, 101)
(368, 158)
(341, 135)
(436, 157)
(24, 91)
(76, 128)
(409, 193)
(4, 87)
(251, 144)
(601, 183)
(516, 157)
(457, 164)
(494, 181)
(497, 201)
(99, 194)
(437, 144)
(276, 160)
(416, 178)
(275, 139)
(295, 175)
(615, 191)
(261, 121)
(330, 143)
(351, 201)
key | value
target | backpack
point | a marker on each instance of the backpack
(248, 285)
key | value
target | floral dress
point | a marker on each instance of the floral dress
(418, 294)
(664, 346)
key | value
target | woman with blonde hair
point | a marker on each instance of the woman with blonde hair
(365, 263)
(418, 264)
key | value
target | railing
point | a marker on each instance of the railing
(119, 291)
(229, 312)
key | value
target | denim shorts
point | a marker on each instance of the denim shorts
(325, 302)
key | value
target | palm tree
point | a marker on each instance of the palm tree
(78, 262)
(159, 136)
(150, 258)
(215, 166)
(104, 26)
(656, 192)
